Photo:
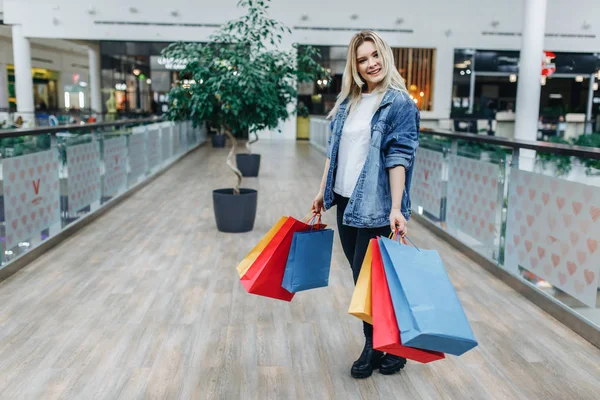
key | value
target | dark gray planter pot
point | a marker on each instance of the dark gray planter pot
(248, 164)
(218, 140)
(235, 213)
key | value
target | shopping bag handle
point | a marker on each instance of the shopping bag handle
(314, 221)
(401, 239)
(310, 216)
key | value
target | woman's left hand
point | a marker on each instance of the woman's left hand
(398, 223)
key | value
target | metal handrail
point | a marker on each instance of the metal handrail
(538, 146)
(8, 133)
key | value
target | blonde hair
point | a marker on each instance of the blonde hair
(352, 82)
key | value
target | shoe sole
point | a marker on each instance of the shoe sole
(361, 376)
(376, 366)
(392, 371)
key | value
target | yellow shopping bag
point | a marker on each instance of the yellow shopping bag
(360, 306)
(247, 262)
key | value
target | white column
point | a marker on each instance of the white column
(3, 86)
(442, 93)
(62, 81)
(95, 90)
(4, 115)
(590, 104)
(530, 70)
(23, 77)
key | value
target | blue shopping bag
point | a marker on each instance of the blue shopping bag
(427, 309)
(309, 261)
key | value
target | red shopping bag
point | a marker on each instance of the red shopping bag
(386, 335)
(265, 275)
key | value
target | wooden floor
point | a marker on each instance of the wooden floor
(146, 303)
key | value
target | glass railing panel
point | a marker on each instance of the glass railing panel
(475, 202)
(175, 140)
(31, 206)
(114, 165)
(153, 147)
(51, 180)
(166, 131)
(80, 175)
(430, 182)
(552, 234)
(138, 161)
(319, 133)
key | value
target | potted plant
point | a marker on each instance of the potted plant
(218, 138)
(241, 81)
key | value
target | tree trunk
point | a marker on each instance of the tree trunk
(231, 162)
(249, 143)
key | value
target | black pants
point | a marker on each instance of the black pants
(355, 242)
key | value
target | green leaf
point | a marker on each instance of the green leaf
(257, 97)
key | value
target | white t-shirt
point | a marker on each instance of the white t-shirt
(354, 144)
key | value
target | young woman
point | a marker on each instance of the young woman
(375, 133)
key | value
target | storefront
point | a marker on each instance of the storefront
(485, 82)
(135, 78)
(45, 83)
(76, 92)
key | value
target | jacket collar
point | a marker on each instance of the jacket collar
(388, 98)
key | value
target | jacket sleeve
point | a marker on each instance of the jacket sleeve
(330, 140)
(400, 144)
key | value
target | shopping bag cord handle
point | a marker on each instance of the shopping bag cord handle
(411, 242)
(402, 239)
(315, 220)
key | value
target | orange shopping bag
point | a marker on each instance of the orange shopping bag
(266, 268)
(255, 252)
(360, 306)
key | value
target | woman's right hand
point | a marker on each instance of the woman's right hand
(317, 205)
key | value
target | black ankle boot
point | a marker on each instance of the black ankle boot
(368, 361)
(390, 364)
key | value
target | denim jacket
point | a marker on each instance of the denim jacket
(394, 141)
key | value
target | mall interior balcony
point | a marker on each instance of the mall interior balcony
(151, 240)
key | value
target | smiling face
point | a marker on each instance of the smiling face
(369, 64)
